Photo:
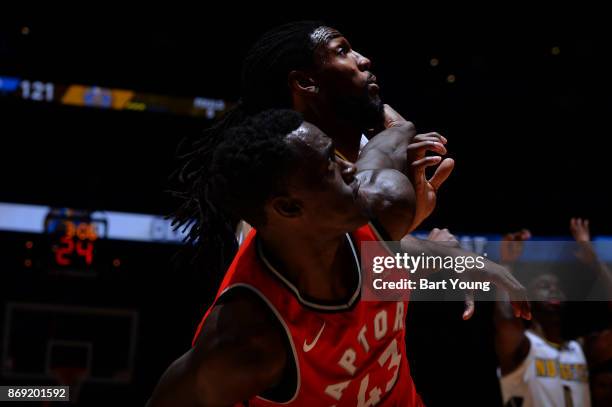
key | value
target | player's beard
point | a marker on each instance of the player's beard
(365, 111)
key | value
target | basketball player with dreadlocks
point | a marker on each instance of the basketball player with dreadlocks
(288, 326)
(310, 68)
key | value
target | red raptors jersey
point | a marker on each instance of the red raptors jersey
(344, 355)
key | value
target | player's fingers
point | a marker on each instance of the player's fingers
(434, 134)
(520, 303)
(391, 117)
(527, 310)
(420, 165)
(433, 234)
(516, 293)
(521, 309)
(525, 234)
(427, 145)
(442, 173)
(469, 305)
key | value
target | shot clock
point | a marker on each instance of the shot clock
(75, 241)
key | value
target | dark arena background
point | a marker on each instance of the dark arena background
(92, 109)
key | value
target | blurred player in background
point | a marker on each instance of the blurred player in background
(539, 366)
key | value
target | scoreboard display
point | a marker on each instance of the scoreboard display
(74, 240)
(109, 98)
(77, 242)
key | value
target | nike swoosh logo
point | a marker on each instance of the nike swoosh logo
(308, 346)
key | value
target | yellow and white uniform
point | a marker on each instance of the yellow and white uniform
(550, 376)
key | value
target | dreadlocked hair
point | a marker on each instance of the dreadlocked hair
(263, 86)
(250, 165)
(268, 63)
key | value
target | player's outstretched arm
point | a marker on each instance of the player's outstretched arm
(587, 254)
(240, 353)
(500, 276)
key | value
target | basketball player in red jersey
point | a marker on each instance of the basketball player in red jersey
(288, 326)
(311, 68)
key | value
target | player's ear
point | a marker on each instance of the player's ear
(286, 207)
(301, 82)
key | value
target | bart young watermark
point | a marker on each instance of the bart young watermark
(389, 276)
(426, 284)
(404, 261)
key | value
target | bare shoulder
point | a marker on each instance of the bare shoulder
(241, 343)
(240, 353)
(242, 319)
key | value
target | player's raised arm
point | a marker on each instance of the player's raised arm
(511, 343)
(391, 171)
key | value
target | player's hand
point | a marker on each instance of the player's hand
(420, 144)
(582, 234)
(495, 273)
(391, 117)
(511, 246)
(426, 190)
(580, 229)
(503, 279)
(444, 236)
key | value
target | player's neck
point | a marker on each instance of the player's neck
(321, 269)
(548, 327)
(346, 136)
